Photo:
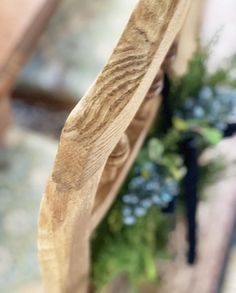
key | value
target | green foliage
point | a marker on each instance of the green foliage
(200, 109)
(117, 248)
(224, 75)
(180, 125)
(211, 135)
(155, 150)
(191, 82)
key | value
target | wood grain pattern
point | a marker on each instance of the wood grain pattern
(91, 132)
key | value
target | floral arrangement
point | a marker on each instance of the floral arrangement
(135, 231)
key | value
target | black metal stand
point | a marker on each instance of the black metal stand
(189, 152)
(167, 124)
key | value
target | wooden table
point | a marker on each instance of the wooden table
(21, 22)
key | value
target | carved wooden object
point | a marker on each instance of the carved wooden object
(74, 202)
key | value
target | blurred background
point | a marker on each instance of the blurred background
(50, 53)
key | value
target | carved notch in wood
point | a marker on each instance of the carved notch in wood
(153, 92)
(116, 159)
(170, 57)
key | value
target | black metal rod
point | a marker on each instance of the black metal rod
(189, 151)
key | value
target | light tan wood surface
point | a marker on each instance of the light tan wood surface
(91, 133)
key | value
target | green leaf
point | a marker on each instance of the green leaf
(172, 163)
(155, 149)
(180, 124)
(211, 135)
(177, 173)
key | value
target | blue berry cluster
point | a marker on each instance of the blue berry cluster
(212, 106)
(148, 187)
